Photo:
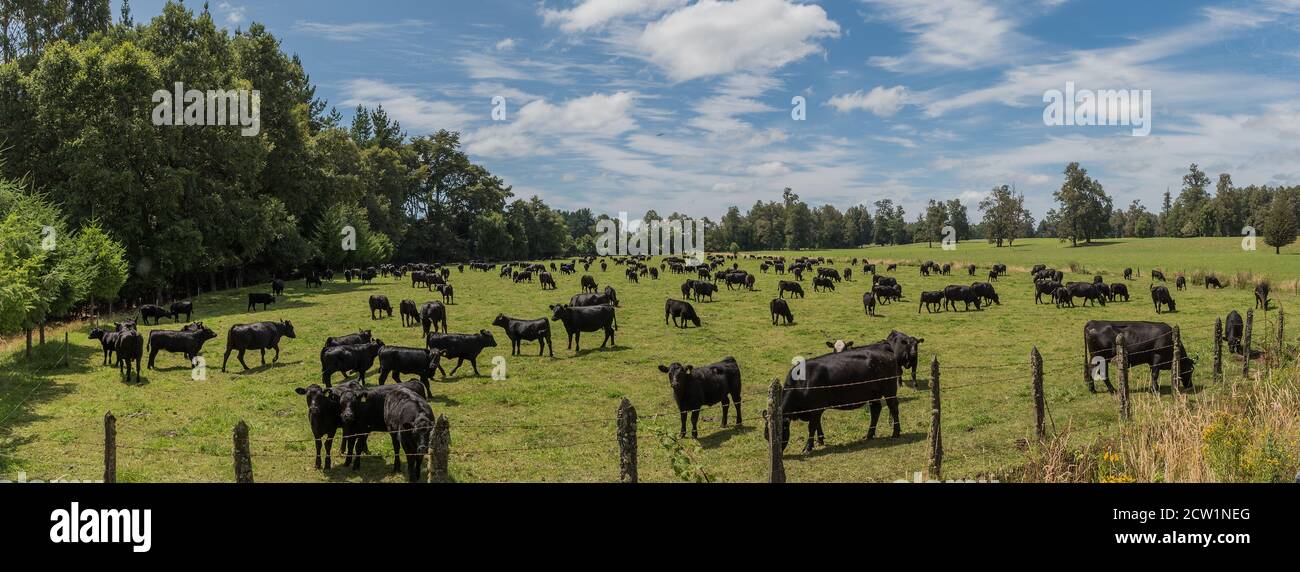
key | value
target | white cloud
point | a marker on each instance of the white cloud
(506, 45)
(489, 90)
(415, 113)
(234, 15)
(883, 102)
(589, 14)
(949, 34)
(598, 116)
(900, 141)
(712, 38)
(768, 169)
(355, 31)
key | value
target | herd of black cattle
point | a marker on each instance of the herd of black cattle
(846, 378)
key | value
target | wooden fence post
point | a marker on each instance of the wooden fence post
(110, 448)
(1218, 350)
(776, 433)
(1281, 338)
(243, 458)
(1245, 363)
(1040, 404)
(626, 442)
(936, 434)
(1176, 368)
(1121, 350)
(439, 450)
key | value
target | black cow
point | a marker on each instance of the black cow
(611, 295)
(1212, 281)
(1157, 275)
(151, 311)
(1045, 287)
(1261, 295)
(846, 380)
(343, 359)
(311, 280)
(130, 348)
(986, 292)
(585, 319)
(323, 415)
(970, 269)
(259, 336)
(1117, 291)
(432, 314)
(547, 281)
(700, 289)
(277, 287)
(695, 388)
(869, 303)
(361, 337)
(1150, 343)
(255, 298)
(823, 283)
(409, 422)
(680, 310)
(380, 303)
(1062, 297)
(462, 347)
(1180, 282)
(993, 276)
(361, 410)
(780, 309)
(791, 287)
(1160, 297)
(907, 350)
(518, 331)
(397, 360)
(448, 292)
(1000, 269)
(1088, 292)
(410, 312)
(888, 294)
(889, 268)
(931, 301)
(588, 283)
(107, 341)
(1233, 327)
(954, 294)
(1128, 273)
(178, 308)
(188, 341)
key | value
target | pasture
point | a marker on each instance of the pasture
(552, 419)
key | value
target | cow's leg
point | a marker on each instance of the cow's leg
(317, 451)
(241, 360)
(875, 417)
(397, 453)
(812, 432)
(276, 359)
(474, 364)
(153, 353)
(458, 363)
(892, 402)
(695, 424)
(263, 352)
(223, 360)
(725, 408)
(682, 434)
(577, 341)
(329, 444)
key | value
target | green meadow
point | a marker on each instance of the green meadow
(552, 419)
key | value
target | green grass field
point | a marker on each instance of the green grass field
(551, 419)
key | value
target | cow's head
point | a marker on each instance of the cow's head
(559, 312)
(286, 328)
(434, 357)
(204, 333)
(351, 399)
(488, 340)
(613, 296)
(839, 345)
(422, 430)
(500, 320)
(318, 398)
(678, 374)
(96, 334)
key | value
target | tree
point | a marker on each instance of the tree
(1280, 229)
(104, 261)
(936, 217)
(959, 219)
(1005, 216)
(1084, 207)
(798, 221)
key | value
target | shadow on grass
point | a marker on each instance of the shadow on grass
(862, 444)
(25, 384)
(720, 437)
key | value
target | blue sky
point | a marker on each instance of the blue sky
(685, 105)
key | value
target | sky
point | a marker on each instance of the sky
(687, 105)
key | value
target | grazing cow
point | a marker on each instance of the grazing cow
(1157, 275)
(178, 308)
(361, 410)
(397, 360)
(993, 276)
(410, 312)
(1128, 273)
(381, 304)
(107, 341)
(695, 388)
(1118, 291)
(277, 287)
(869, 303)
(1180, 282)
(700, 289)
(1261, 295)
(970, 269)
(845, 380)
(546, 280)
(1160, 297)
(1233, 327)
(130, 348)
(311, 280)
(432, 314)
(986, 292)
(349, 358)
(1088, 292)
(954, 294)
(188, 341)
(258, 336)
(1062, 297)
(448, 293)
(589, 300)
(791, 287)
(462, 347)
(887, 294)
(577, 320)
(151, 311)
(946, 269)
(589, 283)
(829, 273)
(518, 331)
(823, 283)
(889, 268)
(680, 310)
(255, 298)
(1000, 269)
(361, 337)
(780, 309)
(409, 422)
(884, 281)
(1150, 343)
(1045, 287)
(931, 301)
(848, 274)
(323, 415)
(1212, 281)
(1105, 291)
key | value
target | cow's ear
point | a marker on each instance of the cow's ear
(300, 390)
(830, 345)
(689, 369)
(663, 368)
